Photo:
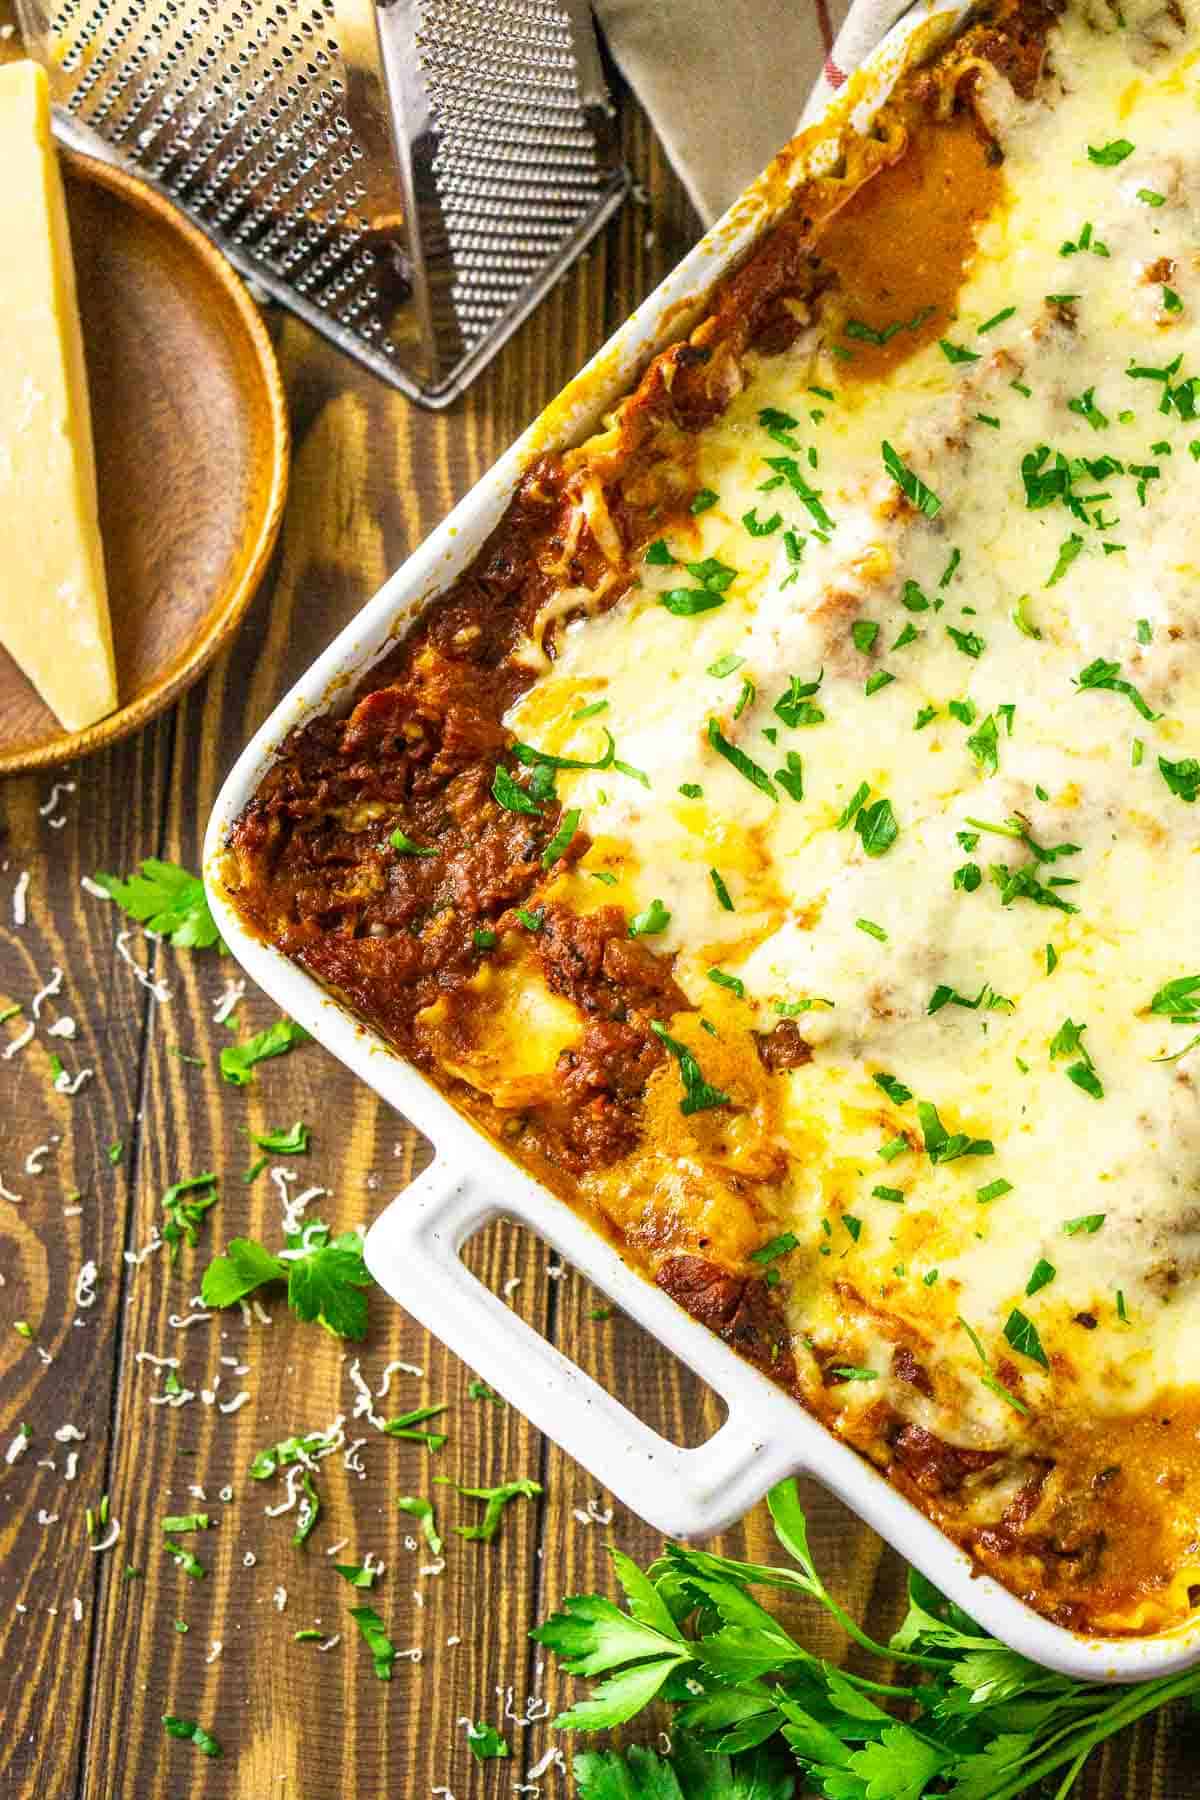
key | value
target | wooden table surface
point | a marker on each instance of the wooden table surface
(90, 1658)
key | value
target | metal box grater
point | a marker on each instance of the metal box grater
(409, 176)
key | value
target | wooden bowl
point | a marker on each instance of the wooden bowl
(191, 435)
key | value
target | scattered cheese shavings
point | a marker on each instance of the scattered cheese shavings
(77, 1609)
(330, 1642)
(49, 805)
(396, 1368)
(7, 1194)
(70, 1434)
(71, 1084)
(45, 1518)
(20, 893)
(18, 1447)
(279, 1599)
(52, 987)
(158, 990)
(340, 1545)
(35, 1162)
(217, 1647)
(63, 1028)
(72, 1465)
(160, 1362)
(553, 1759)
(93, 888)
(85, 1285)
(511, 1286)
(18, 1043)
(181, 1321)
(231, 1406)
(232, 993)
(110, 1538)
(138, 1257)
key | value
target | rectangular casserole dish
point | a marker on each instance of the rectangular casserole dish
(413, 1249)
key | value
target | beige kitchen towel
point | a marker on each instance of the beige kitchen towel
(726, 80)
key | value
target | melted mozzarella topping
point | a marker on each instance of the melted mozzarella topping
(900, 614)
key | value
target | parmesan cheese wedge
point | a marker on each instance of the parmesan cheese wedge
(53, 601)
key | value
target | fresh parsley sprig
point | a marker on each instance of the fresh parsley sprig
(168, 900)
(325, 1277)
(754, 1710)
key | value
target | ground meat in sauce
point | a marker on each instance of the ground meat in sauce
(782, 1048)
(935, 1466)
(739, 1308)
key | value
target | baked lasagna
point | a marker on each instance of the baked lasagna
(783, 839)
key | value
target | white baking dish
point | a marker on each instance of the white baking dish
(413, 1249)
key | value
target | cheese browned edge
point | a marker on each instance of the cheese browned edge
(545, 1035)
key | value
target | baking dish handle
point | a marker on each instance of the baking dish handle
(413, 1251)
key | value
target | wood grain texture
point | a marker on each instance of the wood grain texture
(82, 1702)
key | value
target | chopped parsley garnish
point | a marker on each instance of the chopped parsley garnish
(184, 1559)
(562, 839)
(1085, 405)
(894, 1196)
(495, 1500)
(283, 1143)
(995, 1190)
(779, 425)
(1148, 197)
(732, 982)
(1122, 1314)
(1087, 1222)
(407, 1425)
(859, 797)
(1068, 1041)
(1022, 1334)
(1101, 674)
(383, 1651)
(1179, 1000)
(658, 555)
(712, 573)
(876, 826)
(908, 635)
(988, 1379)
(909, 483)
(1171, 301)
(864, 632)
(184, 1216)
(483, 938)
(1021, 619)
(789, 468)
(485, 1742)
(1109, 155)
(954, 353)
(870, 334)
(942, 1146)
(531, 919)
(589, 712)
(686, 603)
(776, 1247)
(795, 707)
(721, 891)
(880, 679)
(996, 319)
(702, 500)
(791, 778)
(278, 1039)
(967, 877)
(737, 759)
(924, 717)
(1041, 1276)
(648, 923)
(400, 841)
(895, 1090)
(1068, 551)
(984, 746)
(987, 998)
(510, 794)
(872, 929)
(698, 1095)
(1183, 777)
(760, 528)
(724, 665)
(422, 1512)
(194, 1733)
(969, 642)
(893, 1148)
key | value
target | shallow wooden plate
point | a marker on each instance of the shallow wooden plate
(191, 434)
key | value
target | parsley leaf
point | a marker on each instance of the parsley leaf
(495, 1500)
(910, 484)
(325, 1277)
(698, 1095)
(196, 1734)
(1022, 1334)
(237, 1060)
(168, 900)
(1183, 777)
(738, 760)
(1102, 674)
(383, 1651)
(422, 1511)
(653, 919)
(184, 1216)
(876, 826)
(1109, 155)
